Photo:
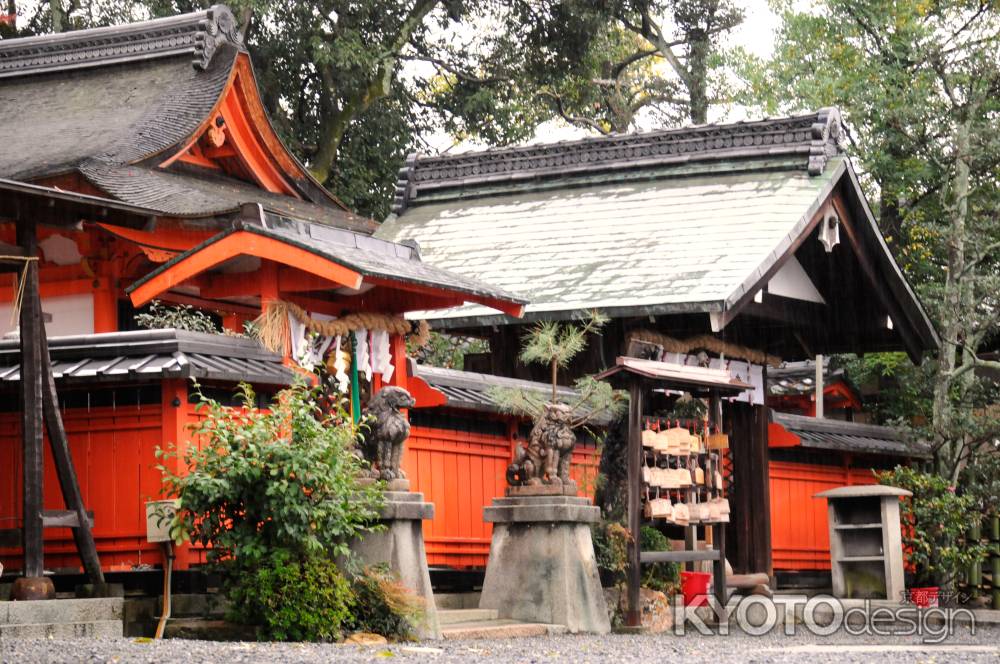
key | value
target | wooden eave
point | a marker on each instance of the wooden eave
(301, 273)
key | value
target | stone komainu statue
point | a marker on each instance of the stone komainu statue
(383, 446)
(546, 458)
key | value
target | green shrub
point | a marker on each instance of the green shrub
(664, 577)
(292, 600)
(610, 549)
(934, 522)
(274, 497)
(384, 605)
(268, 481)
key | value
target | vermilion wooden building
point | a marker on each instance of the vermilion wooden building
(145, 158)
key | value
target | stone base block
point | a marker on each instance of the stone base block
(542, 567)
(541, 490)
(400, 545)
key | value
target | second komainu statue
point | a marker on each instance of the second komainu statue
(546, 458)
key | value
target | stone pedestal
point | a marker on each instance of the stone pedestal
(542, 567)
(400, 545)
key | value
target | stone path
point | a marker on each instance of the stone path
(961, 647)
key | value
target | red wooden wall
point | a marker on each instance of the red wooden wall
(799, 535)
(113, 453)
(461, 472)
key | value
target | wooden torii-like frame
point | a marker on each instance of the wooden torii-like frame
(40, 412)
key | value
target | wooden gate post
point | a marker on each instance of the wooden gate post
(31, 406)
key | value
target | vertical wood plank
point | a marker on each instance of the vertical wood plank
(634, 577)
(31, 407)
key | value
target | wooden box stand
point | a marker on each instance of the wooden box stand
(866, 551)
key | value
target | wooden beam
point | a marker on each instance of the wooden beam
(734, 310)
(514, 309)
(243, 243)
(902, 322)
(64, 518)
(31, 406)
(83, 535)
(210, 305)
(633, 578)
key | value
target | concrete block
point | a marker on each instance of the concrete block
(453, 616)
(541, 567)
(80, 630)
(400, 545)
(66, 611)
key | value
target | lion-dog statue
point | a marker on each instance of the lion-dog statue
(547, 456)
(383, 446)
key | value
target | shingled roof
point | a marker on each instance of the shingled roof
(110, 104)
(683, 221)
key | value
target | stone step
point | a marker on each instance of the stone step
(498, 629)
(457, 600)
(453, 616)
(61, 611)
(76, 630)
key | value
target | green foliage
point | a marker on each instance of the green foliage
(383, 605)
(180, 317)
(934, 521)
(292, 599)
(448, 350)
(260, 482)
(554, 343)
(917, 82)
(981, 480)
(611, 548)
(665, 577)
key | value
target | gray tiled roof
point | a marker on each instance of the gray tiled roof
(806, 140)
(179, 194)
(367, 255)
(670, 244)
(110, 103)
(153, 354)
(844, 436)
(469, 390)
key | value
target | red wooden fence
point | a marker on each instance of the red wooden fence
(800, 538)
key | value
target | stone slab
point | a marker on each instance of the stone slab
(541, 490)
(453, 616)
(66, 611)
(541, 509)
(500, 629)
(400, 546)
(78, 630)
(542, 567)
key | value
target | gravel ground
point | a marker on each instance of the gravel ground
(961, 647)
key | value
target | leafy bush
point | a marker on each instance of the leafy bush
(981, 481)
(181, 317)
(610, 550)
(934, 522)
(383, 605)
(274, 497)
(664, 577)
(266, 481)
(293, 600)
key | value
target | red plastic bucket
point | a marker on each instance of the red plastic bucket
(694, 586)
(925, 598)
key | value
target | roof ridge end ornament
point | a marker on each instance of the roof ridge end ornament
(217, 28)
(827, 133)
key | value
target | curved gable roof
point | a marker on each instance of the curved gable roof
(101, 101)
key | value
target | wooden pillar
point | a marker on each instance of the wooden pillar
(106, 306)
(173, 423)
(31, 406)
(633, 617)
(397, 347)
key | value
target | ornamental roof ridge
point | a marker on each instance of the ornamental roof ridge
(199, 34)
(815, 136)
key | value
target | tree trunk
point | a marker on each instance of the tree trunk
(55, 8)
(954, 316)
(697, 79)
